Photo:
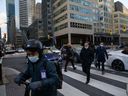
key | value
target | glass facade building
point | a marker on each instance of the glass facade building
(72, 18)
(11, 28)
(47, 17)
(27, 12)
(121, 21)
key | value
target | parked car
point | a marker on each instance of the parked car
(20, 50)
(118, 59)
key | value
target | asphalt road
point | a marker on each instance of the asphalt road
(16, 61)
(112, 83)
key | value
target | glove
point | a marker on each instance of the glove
(19, 79)
(35, 85)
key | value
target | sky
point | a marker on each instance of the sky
(3, 12)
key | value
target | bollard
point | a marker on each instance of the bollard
(1, 80)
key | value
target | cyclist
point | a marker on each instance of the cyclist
(42, 72)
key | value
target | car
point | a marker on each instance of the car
(55, 50)
(118, 59)
(51, 56)
(20, 50)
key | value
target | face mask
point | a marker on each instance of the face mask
(86, 47)
(101, 45)
(33, 59)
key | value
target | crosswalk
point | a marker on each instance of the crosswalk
(112, 83)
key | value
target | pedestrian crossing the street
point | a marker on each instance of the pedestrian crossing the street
(112, 83)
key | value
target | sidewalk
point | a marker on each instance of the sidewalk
(9, 88)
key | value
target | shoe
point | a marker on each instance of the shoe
(65, 70)
(102, 72)
(86, 82)
(74, 68)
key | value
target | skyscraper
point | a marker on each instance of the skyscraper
(27, 12)
(38, 11)
(11, 28)
(0, 33)
(47, 17)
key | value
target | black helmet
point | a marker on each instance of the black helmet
(34, 44)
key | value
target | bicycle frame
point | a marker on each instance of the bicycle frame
(27, 89)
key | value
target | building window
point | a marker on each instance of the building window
(60, 19)
(60, 11)
(60, 27)
(80, 25)
(100, 0)
(81, 18)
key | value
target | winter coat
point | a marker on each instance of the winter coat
(101, 54)
(69, 53)
(49, 84)
(87, 55)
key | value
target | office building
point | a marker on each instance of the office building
(38, 11)
(11, 26)
(0, 34)
(106, 10)
(47, 17)
(121, 21)
(27, 12)
(74, 20)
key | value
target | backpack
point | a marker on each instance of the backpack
(59, 73)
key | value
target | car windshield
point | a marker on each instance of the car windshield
(46, 51)
(53, 48)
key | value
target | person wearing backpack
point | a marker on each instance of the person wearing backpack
(43, 74)
(69, 57)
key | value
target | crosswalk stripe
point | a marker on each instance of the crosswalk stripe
(98, 84)
(106, 67)
(90, 90)
(109, 70)
(108, 75)
(68, 90)
(102, 79)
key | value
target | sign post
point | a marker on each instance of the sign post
(1, 80)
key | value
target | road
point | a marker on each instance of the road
(112, 83)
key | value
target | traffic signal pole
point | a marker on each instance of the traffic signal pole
(1, 80)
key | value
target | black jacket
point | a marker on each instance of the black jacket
(49, 84)
(87, 55)
(101, 54)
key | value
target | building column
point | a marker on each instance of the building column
(69, 38)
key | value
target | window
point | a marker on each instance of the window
(80, 25)
(100, 0)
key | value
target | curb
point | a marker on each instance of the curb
(2, 90)
(6, 72)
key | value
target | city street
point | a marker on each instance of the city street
(112, 83)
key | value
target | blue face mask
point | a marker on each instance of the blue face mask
(33, 59)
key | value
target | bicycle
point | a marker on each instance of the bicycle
(27, 89)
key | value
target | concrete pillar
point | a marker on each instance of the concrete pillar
(69, 38)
